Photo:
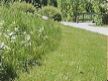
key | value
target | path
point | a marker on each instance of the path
(89, 27)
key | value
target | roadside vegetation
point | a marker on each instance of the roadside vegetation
(81, 56)
(24, 38)
(34, 49)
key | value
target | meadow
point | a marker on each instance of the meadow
(81, 56)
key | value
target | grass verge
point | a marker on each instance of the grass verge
(107, 58)
(81, 56)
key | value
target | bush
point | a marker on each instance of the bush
(24, 38)
(23, 6)
(51, 12)
(105, 19)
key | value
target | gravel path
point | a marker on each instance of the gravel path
(89, 27)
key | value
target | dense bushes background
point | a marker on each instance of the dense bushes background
(51, 12)
(24, 38)
(73, 9)
(23, 6)
(36, 3)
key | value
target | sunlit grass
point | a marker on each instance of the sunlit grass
(81, 56)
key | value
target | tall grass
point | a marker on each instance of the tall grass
(24, 38)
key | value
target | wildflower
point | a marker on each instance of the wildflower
(45, 17)
(24, 33)
(2, 45)
(11, 34)
(16, 29)
(27, 37)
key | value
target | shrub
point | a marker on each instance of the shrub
(51, 12)
(24, 38)
(105, 19)
(23, 6)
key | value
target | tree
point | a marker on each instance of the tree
(105, 15)
(66, 9)
(71, 8)
(100, 9)
(89, 7)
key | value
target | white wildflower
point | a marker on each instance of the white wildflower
(45, 17)
(11, 34)
(27, 37)
(16, 29)
(2, 45)
(25, 33)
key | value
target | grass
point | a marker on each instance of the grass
(107, 58)
(81, 56)
(24, 38)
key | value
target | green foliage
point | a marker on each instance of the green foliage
(105, 19)
(8, 2)
(23, 6)
(50, 2)
(66, 10)
(101, 12)
(51, 12)
(70, 8)
(98, 16)
(53, 3)
(44, 2)
(24, 38)
(104, 9)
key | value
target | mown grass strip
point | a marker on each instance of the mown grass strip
(81, 56)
